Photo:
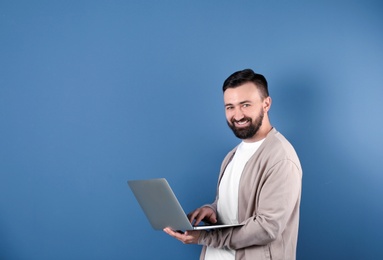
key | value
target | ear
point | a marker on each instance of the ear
(267, 104)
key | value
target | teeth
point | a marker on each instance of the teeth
(242, 122)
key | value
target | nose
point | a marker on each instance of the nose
(238, 114)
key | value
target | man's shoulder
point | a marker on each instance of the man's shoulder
(278, 147)
(277, 139)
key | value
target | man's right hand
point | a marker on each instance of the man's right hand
(205, 214)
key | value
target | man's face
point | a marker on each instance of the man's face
(244, 110)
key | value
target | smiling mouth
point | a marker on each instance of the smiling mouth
(241, 123)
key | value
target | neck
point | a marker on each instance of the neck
(261, 134)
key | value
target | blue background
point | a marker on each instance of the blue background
(93, 93)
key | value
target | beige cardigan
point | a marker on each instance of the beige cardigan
(268, 204)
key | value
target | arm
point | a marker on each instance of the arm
(276, 203)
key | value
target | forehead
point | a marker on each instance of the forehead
(245, 92)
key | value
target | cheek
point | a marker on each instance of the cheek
(255, 112)
(229, 115)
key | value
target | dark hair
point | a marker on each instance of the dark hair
(244, 76)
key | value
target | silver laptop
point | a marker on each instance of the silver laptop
(161, 206)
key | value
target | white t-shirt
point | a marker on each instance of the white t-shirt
(227, 206)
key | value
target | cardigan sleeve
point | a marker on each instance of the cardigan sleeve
(278, 198)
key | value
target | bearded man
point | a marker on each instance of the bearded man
(259, 184)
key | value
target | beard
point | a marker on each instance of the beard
(249, 131)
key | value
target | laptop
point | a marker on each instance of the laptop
(161, 206)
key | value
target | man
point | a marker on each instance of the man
(259, 184)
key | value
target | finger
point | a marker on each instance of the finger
(199, 218)
(168, 231)
(212, 218)
(186, 239)
(173, 233)
(193, 215)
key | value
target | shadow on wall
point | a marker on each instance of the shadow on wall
(340, 206)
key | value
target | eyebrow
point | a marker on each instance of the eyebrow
(240, 103)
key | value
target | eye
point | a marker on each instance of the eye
(229, 107)
(246, 105)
